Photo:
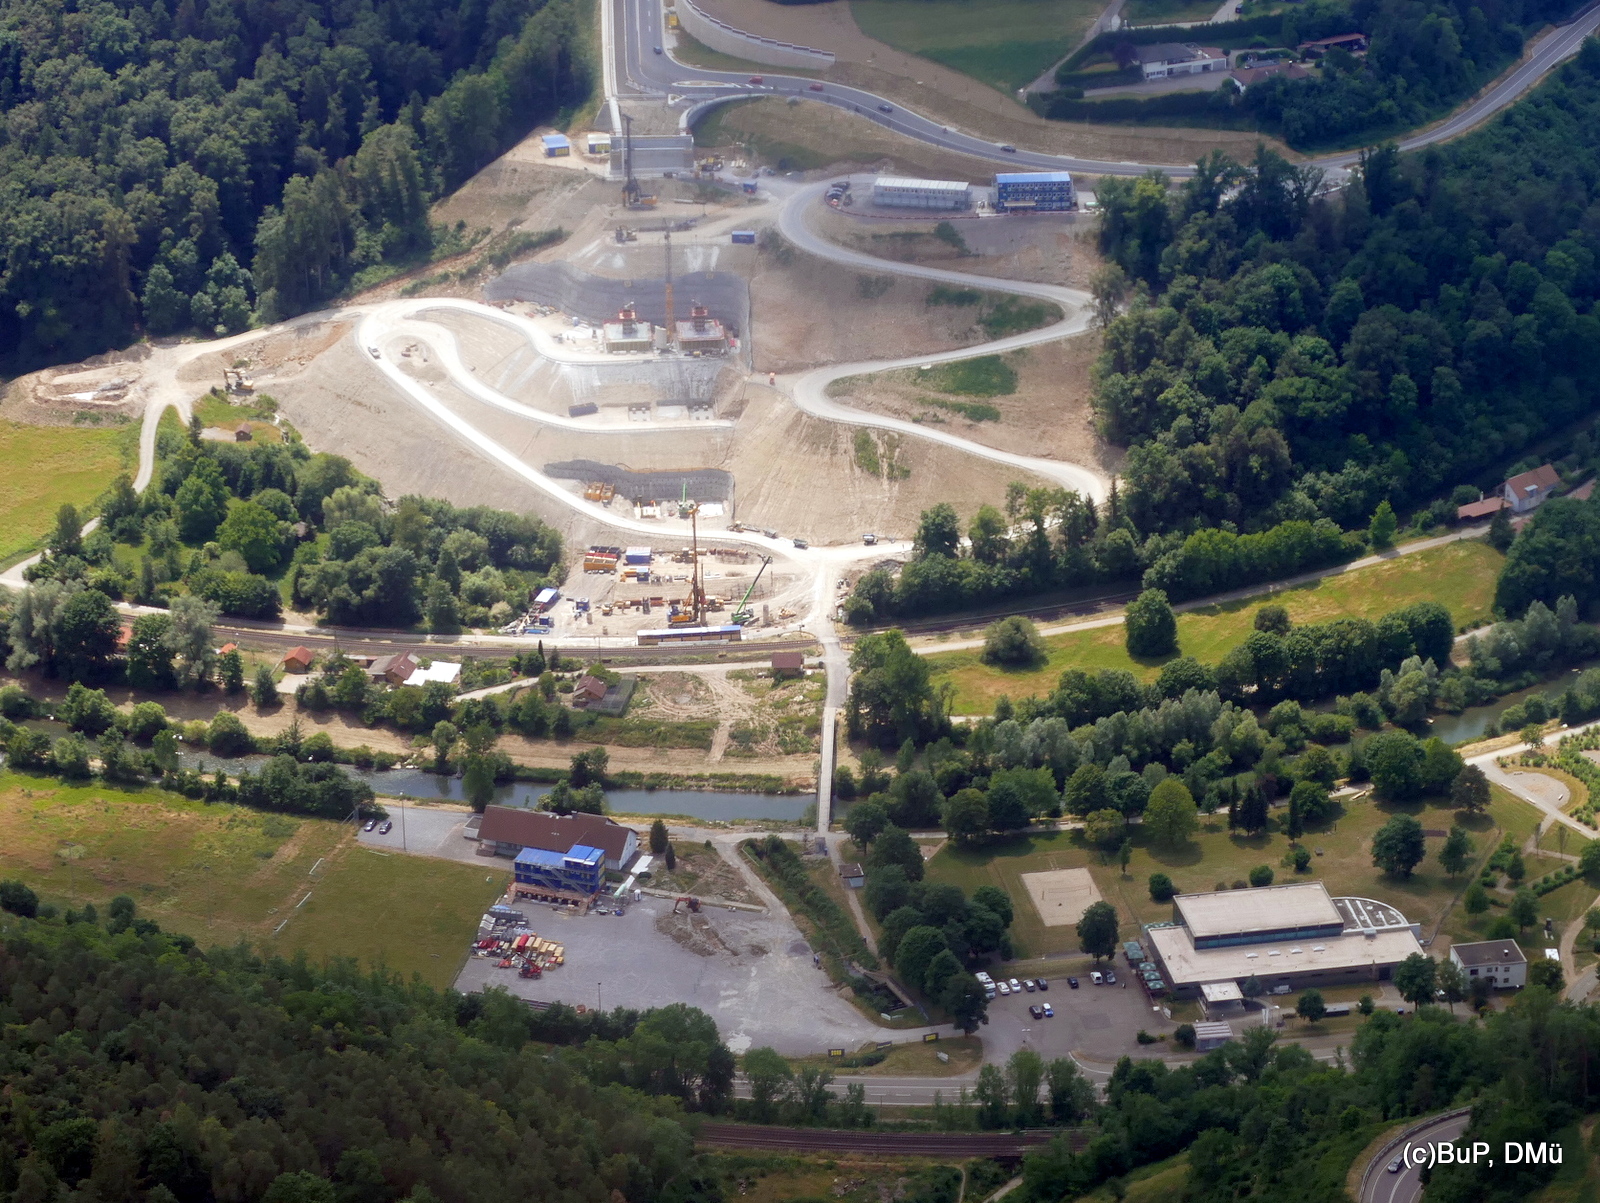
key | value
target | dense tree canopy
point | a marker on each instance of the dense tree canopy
(168, 166)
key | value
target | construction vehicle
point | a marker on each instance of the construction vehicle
(632, 194)
(627, 234)
(692, 903)
(742, 613)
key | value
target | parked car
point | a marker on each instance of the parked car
(815, 88)
(1041, 983)
(1111, 978)
(1036, 1012)
(1027, 984)
(1003, 988)
(1072, 982)
(1016, 986)
(1049, 1011)
(1097, 978)
(388, 826)
(371, 825)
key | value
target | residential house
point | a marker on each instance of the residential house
(396, 670)
(1355, 43)
(1499, 962)
(1165, 60)
(588, 689)
(1529, 490)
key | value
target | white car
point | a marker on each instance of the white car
(1097, 977)
(1003, 988)
(1016, 986)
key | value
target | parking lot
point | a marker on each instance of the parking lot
(1099, 1022)
(428, 831)
(750, 972)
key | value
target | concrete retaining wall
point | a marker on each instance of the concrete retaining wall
(721, 36)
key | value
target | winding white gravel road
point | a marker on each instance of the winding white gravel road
(809, 390)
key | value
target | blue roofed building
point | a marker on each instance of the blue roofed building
(1034, 192)
(556, 145)
(572, 877)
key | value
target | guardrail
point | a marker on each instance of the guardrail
(1381, 1157)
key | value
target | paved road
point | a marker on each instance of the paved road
(634, 27)
(1378, 1185)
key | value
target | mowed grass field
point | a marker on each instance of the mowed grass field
(223, 873)
(44, 467)
(1004, 43)
(1460, 575)
(1343, 862)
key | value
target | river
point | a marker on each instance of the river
(413, 783)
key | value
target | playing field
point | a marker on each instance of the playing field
(1060, 896)
(224, 873)
(1004, 43)
(1460, 575)
(44, 467)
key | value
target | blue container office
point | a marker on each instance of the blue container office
(1034, 192)
(574, 874)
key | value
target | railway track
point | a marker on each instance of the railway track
(267, 639)
(906, 1144)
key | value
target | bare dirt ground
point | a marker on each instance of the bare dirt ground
(1052, 248)
(961, 101)
(1049, 414)
(807, 312)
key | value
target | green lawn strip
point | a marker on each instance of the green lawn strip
(1005, 43)
(43, 468)
(1460, 575)
(1166, 12)
(1343, 863)
(412, 914)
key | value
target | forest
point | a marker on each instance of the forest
(140, 1068)
(242, 526)
(167, 167)
(1421, 60)
(1292, 368)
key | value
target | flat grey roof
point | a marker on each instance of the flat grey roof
(1187, 965)
(1489, 952)
(1270, 908)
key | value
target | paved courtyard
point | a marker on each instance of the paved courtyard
(1099, 1022)
(752, 973)
(429, 831)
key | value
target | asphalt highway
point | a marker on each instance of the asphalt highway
(1405, 1185)
(635, 28)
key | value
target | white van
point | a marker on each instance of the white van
(1097, 978)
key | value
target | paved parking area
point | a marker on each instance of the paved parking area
(1101, 1022)
(752, 973)
(428, 831)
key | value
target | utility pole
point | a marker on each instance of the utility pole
(667, 242)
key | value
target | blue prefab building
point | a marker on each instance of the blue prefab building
(571, 876)
(1034, 192)
(556, 145)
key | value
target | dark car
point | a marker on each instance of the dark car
(388, 826)
(371, 825)
(1010, 150)
(1072, 982)
(886, 108)
(1036, 1011)
(1041, 983)
(657, 49)
(1027, 984)
(816, 87)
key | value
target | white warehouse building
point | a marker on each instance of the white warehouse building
(901, 193)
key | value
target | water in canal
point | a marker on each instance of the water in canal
(413, 783)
